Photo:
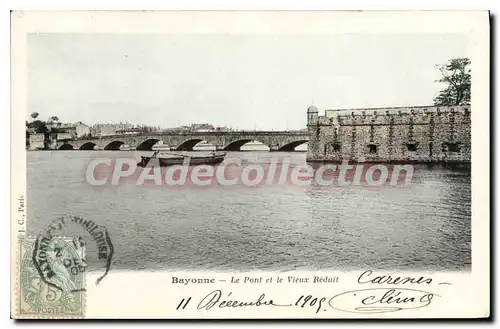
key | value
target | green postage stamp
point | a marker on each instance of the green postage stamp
(52, 278)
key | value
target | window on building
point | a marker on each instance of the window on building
(452, 147)
(372, 148)
(455, 147)
(411, 147)
(336, 147)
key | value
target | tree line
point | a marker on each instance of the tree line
(40, 126)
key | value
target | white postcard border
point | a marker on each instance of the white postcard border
(468, 296)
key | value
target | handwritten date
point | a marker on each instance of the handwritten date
(311, 301)
(218, 299)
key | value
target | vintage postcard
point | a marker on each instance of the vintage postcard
(250, 164)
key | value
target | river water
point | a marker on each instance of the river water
(423, 226)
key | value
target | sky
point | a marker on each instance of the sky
(263, 82)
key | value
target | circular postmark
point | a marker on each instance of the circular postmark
(99, 234)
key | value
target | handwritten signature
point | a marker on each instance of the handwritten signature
(381, 300)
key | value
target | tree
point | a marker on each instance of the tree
(34, 115)
(39, 126)
(456, 75)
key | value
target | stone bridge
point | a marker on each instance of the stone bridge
(229, 141)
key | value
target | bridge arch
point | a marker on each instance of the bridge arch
(188, 145)
(290, 147)
(236, 145)
(114, 145)
(66, 147)
(147, 145)
(88, 146)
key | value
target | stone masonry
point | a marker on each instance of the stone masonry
(229, 141)
(405, 134)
